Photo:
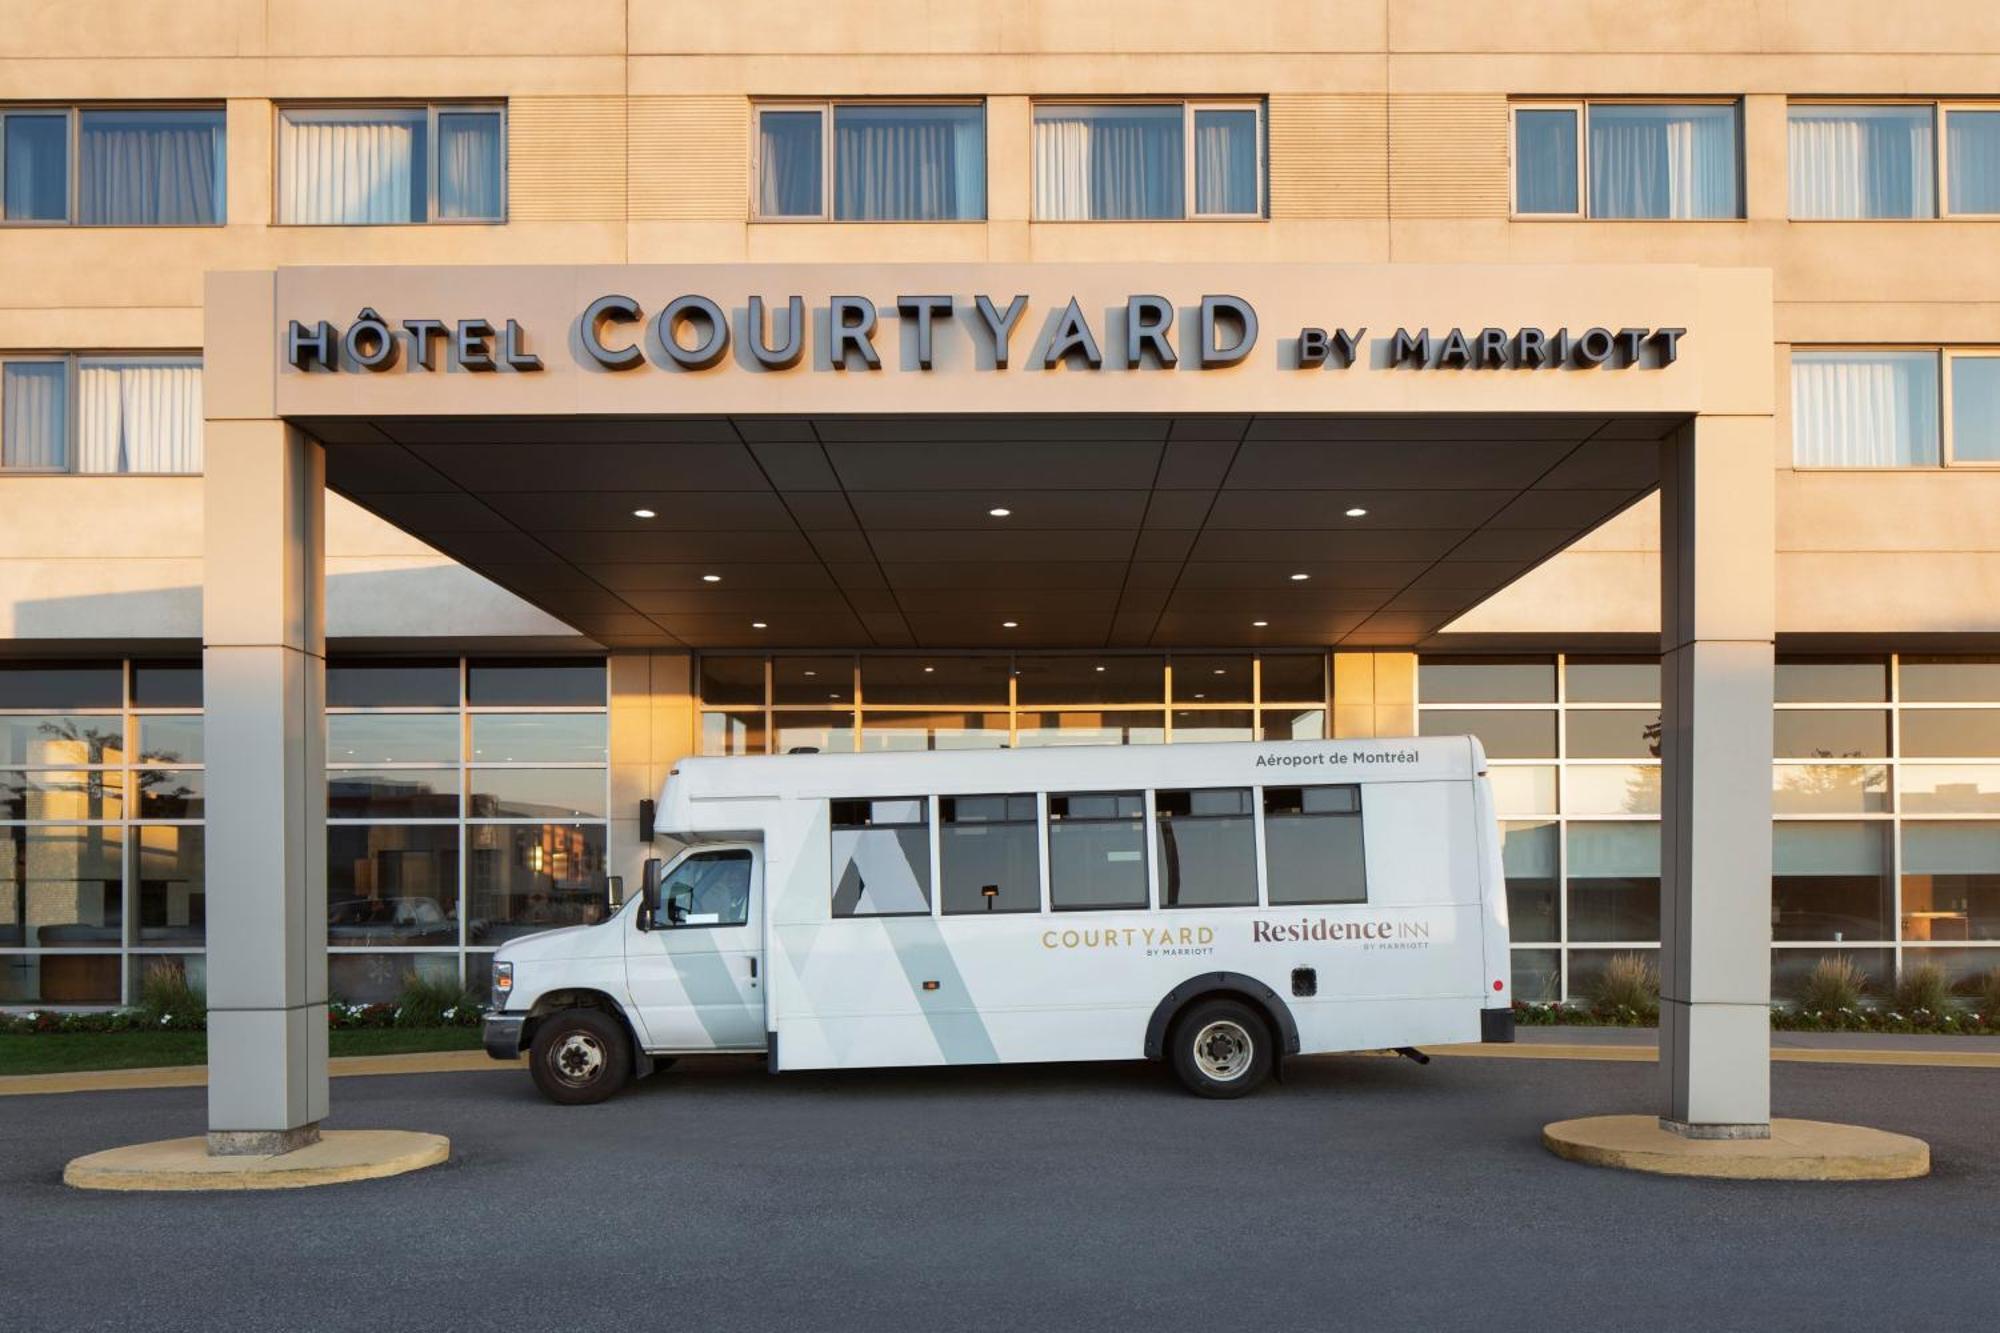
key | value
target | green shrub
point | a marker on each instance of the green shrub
(1627, 990)
(1834, 986)
(427, 1002)
(1924, 990)
(167, 999)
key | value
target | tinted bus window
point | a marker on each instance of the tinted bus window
(1312, 845)
(1097, 851)
(881, 857)
(1207, 847)
(989, 854)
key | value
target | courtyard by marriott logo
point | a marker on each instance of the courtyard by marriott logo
(1371, 934)
(1157, 941)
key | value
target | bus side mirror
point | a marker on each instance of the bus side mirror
(649, 909)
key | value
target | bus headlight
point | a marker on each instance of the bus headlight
(503, 984)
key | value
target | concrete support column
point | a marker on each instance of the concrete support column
(1374, 694)
(264, 678)
(1717, 612)
(652, 729)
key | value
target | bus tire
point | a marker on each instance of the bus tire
(580, 1056)
(1222, 1048)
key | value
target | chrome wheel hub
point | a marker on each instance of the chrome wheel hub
(1223, 1050)
(577, 1059)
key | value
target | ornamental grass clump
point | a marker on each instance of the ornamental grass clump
(1627, 991)
(427, 1002)
(1924, 992)
(1833, 989)
(1989, 998)
(167, 999)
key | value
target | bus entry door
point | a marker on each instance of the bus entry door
(696, 977)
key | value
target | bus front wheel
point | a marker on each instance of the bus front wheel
(580, 1056)
(1222, 1048)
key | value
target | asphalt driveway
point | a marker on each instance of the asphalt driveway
(1363, 1193)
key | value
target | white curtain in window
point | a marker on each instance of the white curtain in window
(1972, 145)
(789, 159)
(351, 168)
(151, 168)
(1865, 409)
(1225, 161)
(912, 163)
(34, 414)
(139, 417)
(469, 171)
(1663, 161)
(1109, 162)
(1863, 162)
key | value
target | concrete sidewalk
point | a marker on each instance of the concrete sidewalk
(196, 1076)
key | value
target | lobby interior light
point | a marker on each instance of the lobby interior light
(644, 513)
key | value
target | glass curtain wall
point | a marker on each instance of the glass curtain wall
(1885, 795)
(843, 704)
(101, 847)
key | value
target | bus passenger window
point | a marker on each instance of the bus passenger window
(1207, 847)
(881, 857)
(1097, 851)
(988, 855)
(1312, 845)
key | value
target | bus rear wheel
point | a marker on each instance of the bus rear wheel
(1222, 1048)
(580, 1056)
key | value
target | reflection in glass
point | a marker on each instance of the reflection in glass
(1528, 733)
(1830, 733)
(814, 733)
(1545, 172)
(1951, 881)
(189, 969)
(521, 878)
(1528, 853)
(933, 731)
(1951, 789)
(392, 683)
(537, 793)
(534, 683)
(1830, 881)
(1293, 678)
(1586, 966)
(1921, 678)
(935, 680)
(1832, 680)
(379, 978)
(166, 684)
(732, 680)
(60, 740)
(77, 793)
(1090, 679)
(812, 681)
(172, 873)
(36, 153)
(1196, 726)
(1611, 680)
(1613, 733)
(1523, 789)
(1537, 975)
(61, 687)
(62, 887)
(392, 884)
(1207, 847)
(733, 733)
(170, 739)
(1614, 884)
(392, 793)
(1791, 967)
(790, 164)
(1097, 850)
(1830, 789)
(1951, 732)
(170, 793)
(392, 738)
(1611, 789)
(709, 889)
(1282, 723)
(881, 857)
(1972, 160)
(1080, 728)
(1975, 409)
(63, 980)
(1486, 680)
(1965, 970)
(989, 854)
(538, 738)
(1214, 680)
(1313, 850)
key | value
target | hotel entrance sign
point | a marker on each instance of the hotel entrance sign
(692, 332)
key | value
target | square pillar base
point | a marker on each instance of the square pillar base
(1688, 1131)
(261, 1142)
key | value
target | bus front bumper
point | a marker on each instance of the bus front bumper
(502, 1035)
(1495, 1025)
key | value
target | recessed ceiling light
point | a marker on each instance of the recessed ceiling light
(758, 624)
(1260, 624)
(833, 696)
(1300, 578)
(1010, 624)
(999, 512)
(644, 513)
(812, 673)
(1100, 668)
(1200, 696)
(1220, 672)
(928, 670)
(711, 578)
(1357, 512)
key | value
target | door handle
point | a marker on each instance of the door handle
(753, 967)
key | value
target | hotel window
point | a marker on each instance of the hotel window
(100, 414)
(1895, 407)
(882, 162)
(1864, 161)
(1148, 161)
(1627, 160)
(361, 166)
(112, 166)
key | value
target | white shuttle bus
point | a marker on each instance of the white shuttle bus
(1217, 907)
